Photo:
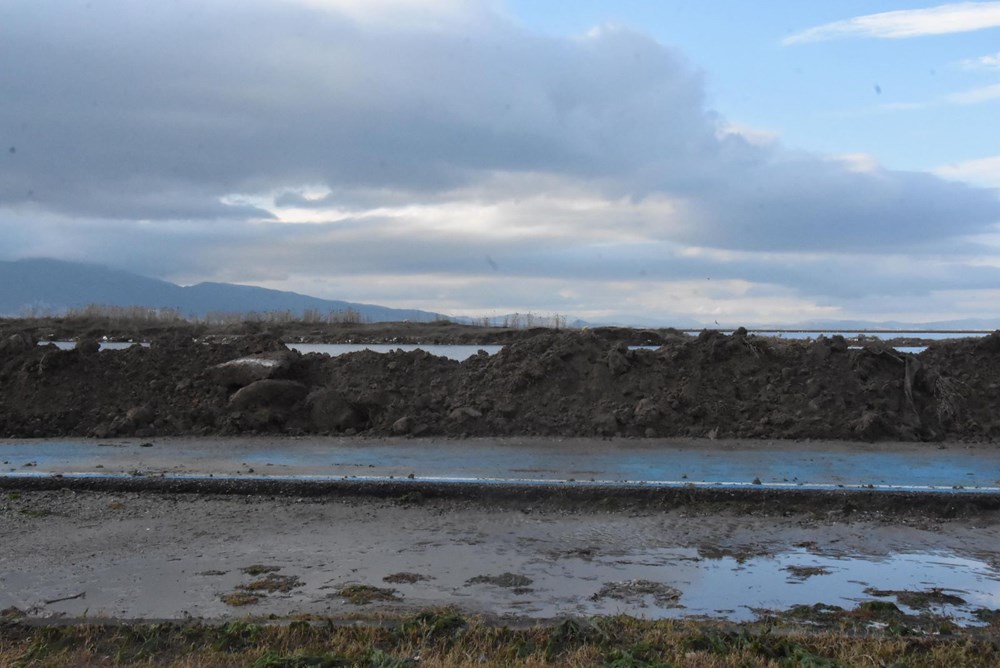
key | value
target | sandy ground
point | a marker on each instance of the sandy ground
(130, 555)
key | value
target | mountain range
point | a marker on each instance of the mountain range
(53, 286)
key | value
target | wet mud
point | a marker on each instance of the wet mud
(545, 383)
(128, 555)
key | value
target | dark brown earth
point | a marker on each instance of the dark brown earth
(544, 382)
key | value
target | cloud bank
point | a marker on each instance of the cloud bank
(437, 154)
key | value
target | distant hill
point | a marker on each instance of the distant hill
(54, 286)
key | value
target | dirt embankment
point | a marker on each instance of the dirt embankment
(550, 383)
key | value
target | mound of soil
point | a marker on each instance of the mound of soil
(570, 383)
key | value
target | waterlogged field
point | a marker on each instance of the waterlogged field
(154, 556)
(407, 581)
(729, 546)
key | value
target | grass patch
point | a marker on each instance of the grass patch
(505, 580)
(240, 598)
(36, 512)
(635, 590)
(988, 616)
(273, 660)
(259, 569)
(272, 583)
(405, 578)
(919, 600)
(360, 594)
(445, 638)
(806, 572)
(877, 608)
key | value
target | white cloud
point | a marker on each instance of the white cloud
(975, 95)
(981, 172)
(940, 20)
(409, 13)
(756, 136)
(990, 62)
(858, 162)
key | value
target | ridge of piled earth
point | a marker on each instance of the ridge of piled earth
(552, 383)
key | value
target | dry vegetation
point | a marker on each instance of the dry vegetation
(445, 638)
(134, 316)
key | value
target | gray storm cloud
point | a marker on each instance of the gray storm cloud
(155, 112)
(118, 111)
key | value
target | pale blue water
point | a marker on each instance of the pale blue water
(854, 334)
(105, 345)
(455, 352)
(464, 352)
(544, 461)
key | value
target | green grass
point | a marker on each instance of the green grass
(445, 638)
(360, 594)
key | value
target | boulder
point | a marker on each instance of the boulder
(87, 346)
(268, 393)
(140, 416)
(403, 426)
(243, 371)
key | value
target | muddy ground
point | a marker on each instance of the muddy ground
(126, 555)
(570, 383)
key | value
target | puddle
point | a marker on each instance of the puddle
(913, 350)
(735, 589)
(455, 352)
(654, 584)
(857, 334)
(105, 345)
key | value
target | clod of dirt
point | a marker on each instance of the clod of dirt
(259, 569)
(86, 347)
(359, 594)
(331, 412)
(505, 580)
(12, 613)
(806, 572)
(877, 608)
(16, 343)
(636, 590)
(920, 600)
(405, 578)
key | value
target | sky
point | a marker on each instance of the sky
(639, 162)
